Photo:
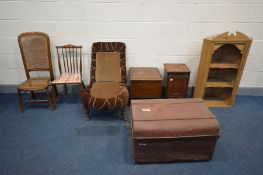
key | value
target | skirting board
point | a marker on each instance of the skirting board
(12, 88)
(254, 91)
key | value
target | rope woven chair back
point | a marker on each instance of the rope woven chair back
(118, 48)
(35, 51)
(69, 59)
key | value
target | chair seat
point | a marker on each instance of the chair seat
(34, 84)
(68, 78)
(106, 95)
(105, 90)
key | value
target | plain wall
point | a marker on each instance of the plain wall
(155, 31)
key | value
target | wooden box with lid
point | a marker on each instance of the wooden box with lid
(146, 82)
(176, 78)
(166, 130)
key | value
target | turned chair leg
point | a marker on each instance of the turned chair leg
(20, 101)
(53, 97)
(65, 90)
(33, 96)
(123, 116)
(55, 89)
(87, 111)
(49, 100)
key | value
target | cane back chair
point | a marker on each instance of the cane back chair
(35, 52)
(70, 65)
(107, 88)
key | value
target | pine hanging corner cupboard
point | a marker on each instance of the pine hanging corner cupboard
(221, 66)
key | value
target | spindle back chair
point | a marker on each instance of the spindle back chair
(70, 65)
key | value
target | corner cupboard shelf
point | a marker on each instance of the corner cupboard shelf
(221, 66)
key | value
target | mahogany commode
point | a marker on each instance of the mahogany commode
(176, 79)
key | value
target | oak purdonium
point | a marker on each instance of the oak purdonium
(146, 82)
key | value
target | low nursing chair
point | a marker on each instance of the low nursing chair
(107, 88)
